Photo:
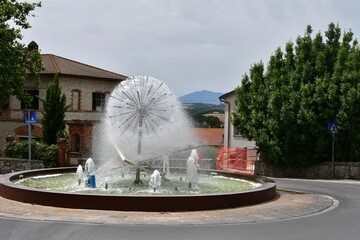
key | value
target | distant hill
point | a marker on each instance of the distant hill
(203, 96)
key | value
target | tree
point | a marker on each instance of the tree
(202, 121)
(16, 62)
(197, 113)
(54, 112)
(286, 108)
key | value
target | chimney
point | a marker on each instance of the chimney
(32, 46)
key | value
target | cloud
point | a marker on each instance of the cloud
(190, 45)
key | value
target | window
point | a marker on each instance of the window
(99, 101)
(76, 100)
(35, 100)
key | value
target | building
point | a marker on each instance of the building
(210, 136)
(232, 137)
(87, 89)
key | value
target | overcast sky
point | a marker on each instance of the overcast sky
(190, 45)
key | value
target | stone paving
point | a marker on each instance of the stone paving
(287, 205)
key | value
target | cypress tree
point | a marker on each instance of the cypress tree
(54, 112)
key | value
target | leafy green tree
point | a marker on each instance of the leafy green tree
(206, 121)
(214, 122)
(286, 108)
(54, 112)
(16, 62)
(196, 113)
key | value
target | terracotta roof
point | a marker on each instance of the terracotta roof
(63, 66)
(211, 136)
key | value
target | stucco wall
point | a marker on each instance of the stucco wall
(86, 88)
(231, 139)
(13, 117)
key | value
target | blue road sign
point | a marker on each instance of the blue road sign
(333, 128)
(32, 119)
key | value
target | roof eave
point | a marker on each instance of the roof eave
(226, 95)
(83, 76)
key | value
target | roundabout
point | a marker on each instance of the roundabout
(149, 203)
(287, 205)
(260, 204)
(305, 212)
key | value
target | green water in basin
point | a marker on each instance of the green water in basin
(118, 185)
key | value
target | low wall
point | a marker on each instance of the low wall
(148, 203)
(8, 165)
(343, 170)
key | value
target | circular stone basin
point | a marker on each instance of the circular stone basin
(102, 200)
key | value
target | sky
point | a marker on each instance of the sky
(190, 45)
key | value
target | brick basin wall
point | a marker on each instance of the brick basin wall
(343, 170)
(8, 165)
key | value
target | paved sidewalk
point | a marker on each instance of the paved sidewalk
(286, 206)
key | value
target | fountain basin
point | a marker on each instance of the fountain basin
(149, 203)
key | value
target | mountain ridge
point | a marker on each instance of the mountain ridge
(202, 96)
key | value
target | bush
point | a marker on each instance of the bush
(47, 153)
(39, 151)
(16, 149)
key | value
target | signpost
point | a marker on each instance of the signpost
(29, 119)
(333, 130)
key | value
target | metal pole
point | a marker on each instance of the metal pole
(333, 157)
(29, 137)
(140, 137)
(137, 176)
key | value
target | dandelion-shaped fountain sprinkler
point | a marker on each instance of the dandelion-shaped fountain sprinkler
(141, 105)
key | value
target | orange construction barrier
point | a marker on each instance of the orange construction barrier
(237, 160)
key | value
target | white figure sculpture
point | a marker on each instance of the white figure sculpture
(155, 180)
(192, 167)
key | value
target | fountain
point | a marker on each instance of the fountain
(89, 166)
(192, 166)
(143, 120)
(79, 174)
(143, 112)
(155, 180)
(90, 173)
(166, 165)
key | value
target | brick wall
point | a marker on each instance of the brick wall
(343, 170)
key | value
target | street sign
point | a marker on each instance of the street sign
(333, 128)
(30, 117)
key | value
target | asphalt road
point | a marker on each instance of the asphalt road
(342, 223)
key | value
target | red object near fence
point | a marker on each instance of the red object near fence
(237, 160)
